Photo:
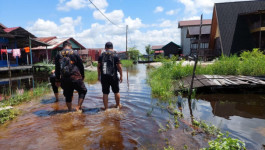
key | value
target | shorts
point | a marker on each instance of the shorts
(106, 82)
(69, 86)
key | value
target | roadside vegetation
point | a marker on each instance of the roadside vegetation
(16, 99)
(49, 66)
(91, 77)
(162, 79)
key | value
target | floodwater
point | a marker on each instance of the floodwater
(47, 125)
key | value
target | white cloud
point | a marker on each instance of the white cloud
(97, 34)
(158, 9)
(65, 5)
(172, 12)
(192, 18)
(45, 28)
(116, 16)
(193, 7)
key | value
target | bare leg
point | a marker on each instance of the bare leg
(80, 102)
(56, 97)
(69, 105)
(117, 99)
(105, 101)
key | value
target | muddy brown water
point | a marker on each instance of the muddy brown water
(47, 125)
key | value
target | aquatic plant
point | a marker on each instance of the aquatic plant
(224, 142)
(127, 63)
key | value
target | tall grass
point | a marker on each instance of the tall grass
(38, 91)
(91, 77)
(248, 63)
(127, 63)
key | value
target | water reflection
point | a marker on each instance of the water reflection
(241, 114)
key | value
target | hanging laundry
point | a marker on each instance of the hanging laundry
(16, 52)
(27, 50)
(9, 50)
(3, 51)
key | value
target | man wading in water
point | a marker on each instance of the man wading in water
(69, 72)
(108, 66)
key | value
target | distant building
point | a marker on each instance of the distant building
(237, 26)
(122, 55)
(168, 50)
(190, 34)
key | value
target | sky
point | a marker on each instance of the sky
(153, 22)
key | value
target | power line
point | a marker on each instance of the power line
(105, 15)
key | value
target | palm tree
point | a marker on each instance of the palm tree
(148, 50)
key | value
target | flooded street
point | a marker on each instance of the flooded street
(47, 125)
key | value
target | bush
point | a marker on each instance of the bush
(127, 63)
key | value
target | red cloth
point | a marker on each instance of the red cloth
(3, 51)
(27, 50)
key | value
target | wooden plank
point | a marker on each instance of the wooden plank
(232, 82)
(16, 78)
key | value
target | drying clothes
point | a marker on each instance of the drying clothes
(3, 51)
(27, 50)
(9, 50)
(16, 53)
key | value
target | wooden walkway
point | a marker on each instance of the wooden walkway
(15, 68)
(16, 78)
(220, 81)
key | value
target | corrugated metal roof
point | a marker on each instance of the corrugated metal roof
(227, 16)
(157, 47)
(194, 22)
(56, 42)
(196, 30)
(7, 30)
(45, 39)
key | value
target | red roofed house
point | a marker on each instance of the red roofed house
(16, 38)
(44, 53)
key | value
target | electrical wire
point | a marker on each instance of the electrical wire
(105, 15)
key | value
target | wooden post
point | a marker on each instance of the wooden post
(8, 64)
(127, 41)
(194, 69)
(47, 57)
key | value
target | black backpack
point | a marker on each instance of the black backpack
(108, 65)
(66, 64)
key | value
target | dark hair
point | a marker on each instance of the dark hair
(67, 43)
(108, 45)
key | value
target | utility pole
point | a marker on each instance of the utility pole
(127, 41)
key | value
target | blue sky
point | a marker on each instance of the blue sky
(152, 22)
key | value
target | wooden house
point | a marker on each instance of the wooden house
(17, 38)
(44, 53)
(237, 26)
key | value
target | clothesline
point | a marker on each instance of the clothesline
(15, 52)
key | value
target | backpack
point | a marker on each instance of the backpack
(66, 64)
(108, 65)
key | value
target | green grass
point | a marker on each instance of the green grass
(38, 91)
(248, 63)
(127, 63)
(91, 77)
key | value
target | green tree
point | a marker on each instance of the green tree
(148, 50)
(133, 53)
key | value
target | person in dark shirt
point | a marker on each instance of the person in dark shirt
(54, 87)
(108, 66)
(69, 74)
